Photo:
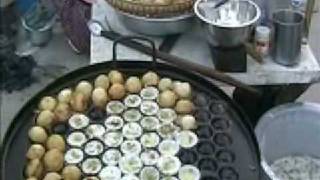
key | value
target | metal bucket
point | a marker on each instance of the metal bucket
(157, 26)
(291, 129)
(287, 37)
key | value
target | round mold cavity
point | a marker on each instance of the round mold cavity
(205, 148)
(225, 156)
(60, 128)
(95, 131)
(188, 156)
(204, 132)
(74, 156)
(80, 136)
(90, 150)
(222, 139)
(217, 107)
(202, 116)
(200, 100)
(208, 164)
(208, 177)
(220, 123)
(228, 173)
(96, 114)
(94, 169)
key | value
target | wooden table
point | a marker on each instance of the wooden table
(279, 84)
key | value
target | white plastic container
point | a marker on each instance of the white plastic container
(262, 40)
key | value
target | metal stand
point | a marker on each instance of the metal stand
(230, 59)
(271, 96)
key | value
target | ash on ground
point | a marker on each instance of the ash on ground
(297, 168)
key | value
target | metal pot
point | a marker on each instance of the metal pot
(222, 34)
(157, 26)
(290, 129)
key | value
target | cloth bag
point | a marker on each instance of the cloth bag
(74, 16)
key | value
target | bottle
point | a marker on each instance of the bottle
(262, 40)
(299, 4)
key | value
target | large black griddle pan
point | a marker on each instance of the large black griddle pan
(16, 142)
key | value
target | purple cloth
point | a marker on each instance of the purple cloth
(74, 17)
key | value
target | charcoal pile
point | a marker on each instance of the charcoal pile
(16, 72)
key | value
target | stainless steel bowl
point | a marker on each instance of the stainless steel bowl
(231, 24)
(157, 26)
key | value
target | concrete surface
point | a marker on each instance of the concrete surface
(313, 94)
(61, 59)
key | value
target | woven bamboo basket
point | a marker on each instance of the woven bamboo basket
(153, 10)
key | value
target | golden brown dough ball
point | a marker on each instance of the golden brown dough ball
(102, 81)
(71, 173)
(117, 91)
(116, 77)
(38, 134)
(162, 2)
(165, 84)
(188, 122)
(36, 151)
(45, 119)
(184, 106)
(48, 103)
(52, 176)
(85, 88)
(150, 79)
(56, 141)
(99, 97)
(53, 160)
(32, 178)
(167, 99)
(65, 95)
(79, 102)
(62, 112)
(34, 168)
(147, 1)
(183, 90)
(133, 85)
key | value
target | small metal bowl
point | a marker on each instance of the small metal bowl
(157, 26)
(222, 33)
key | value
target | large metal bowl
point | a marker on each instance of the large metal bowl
(222, 34)
(157, 26)
(286, 130)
